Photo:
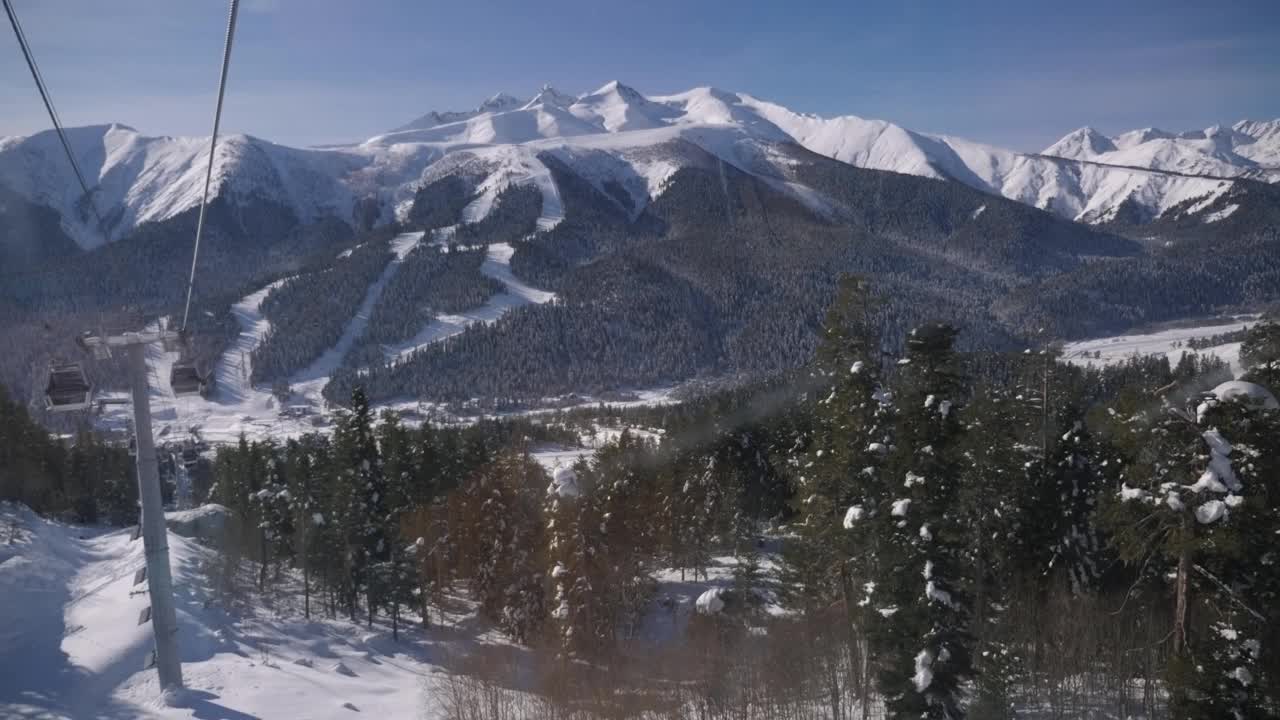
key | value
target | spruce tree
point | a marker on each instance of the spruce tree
(365, 517)
(1199, 506)
(841, 487)
(924, 645)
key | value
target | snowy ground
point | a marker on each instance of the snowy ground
(1170, 343)
(677, 592)
(71, 647)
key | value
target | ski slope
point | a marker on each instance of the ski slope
(238, 408)
(310, 381)
(497, 265)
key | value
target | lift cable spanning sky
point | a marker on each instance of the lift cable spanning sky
(68, 388)
(53, 113)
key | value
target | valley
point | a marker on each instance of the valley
(629, 404)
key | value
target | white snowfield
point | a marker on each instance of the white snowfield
(140, 178)
(1169, 343)
(71, 646)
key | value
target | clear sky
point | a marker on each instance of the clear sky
(1015, 73)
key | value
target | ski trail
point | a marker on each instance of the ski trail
(552, 205)
(497, 265)
(312, 379)
(517, 166)
(235, 367)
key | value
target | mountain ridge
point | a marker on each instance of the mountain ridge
(141, 179)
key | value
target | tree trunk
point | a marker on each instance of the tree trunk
(1180, 610)
(306, 589)
(262, 573)
(851, 635)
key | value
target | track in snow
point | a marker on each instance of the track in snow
(71, 646)
(235, 367)
(497, 266)
(311, 380)
(517, 166)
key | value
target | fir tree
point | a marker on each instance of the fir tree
(368, 536)
(924, 645)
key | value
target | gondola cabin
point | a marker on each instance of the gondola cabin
(186, 379)
(68, 389)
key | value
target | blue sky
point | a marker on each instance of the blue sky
(1019, 74)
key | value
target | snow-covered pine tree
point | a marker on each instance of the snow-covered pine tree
(997, 500)
(1080, 469)
(570, 556)
(624, 489)
(1200, 507)
(1260, 355)
(841, 487)
(502, 535)
(924, 646)
(401, 468)
(305, 509)
(275, 518)
(365, 518)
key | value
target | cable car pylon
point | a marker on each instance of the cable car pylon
(155, 538)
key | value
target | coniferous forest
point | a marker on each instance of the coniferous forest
(935, 533)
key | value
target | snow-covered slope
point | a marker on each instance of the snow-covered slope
(71, 646)
(1171, 343)
(136, 179)
(623, 136)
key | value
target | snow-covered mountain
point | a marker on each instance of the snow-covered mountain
(1247, 149)
(616, 134)
(136, 179)
(500, 102)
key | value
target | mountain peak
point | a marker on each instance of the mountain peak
(1258, 129)
(1141, 135)
(1082, 144)
(614, 87)
(549, 96)
(499, 103)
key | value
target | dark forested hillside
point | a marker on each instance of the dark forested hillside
(1192, 268)
(432, 280)
(31, 236)
(439, 203)
(132, 280)
(722, 274)
(309, 312)
(725, 274)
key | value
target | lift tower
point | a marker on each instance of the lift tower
(155, 538)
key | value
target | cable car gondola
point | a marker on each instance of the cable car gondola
(68, 389)
(185, 379)
(190, 457)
